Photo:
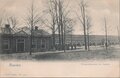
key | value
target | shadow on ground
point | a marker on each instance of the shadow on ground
(90, 55)
(111, 54)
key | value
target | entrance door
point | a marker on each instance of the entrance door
(43, 45)
(20, 45)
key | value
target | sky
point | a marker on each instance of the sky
(97, 9)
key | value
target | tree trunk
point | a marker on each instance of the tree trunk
(88, 42)
(84, 20)
(53, 40)
(106, 36)
(59, 35)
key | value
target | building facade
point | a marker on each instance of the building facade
(20, 41)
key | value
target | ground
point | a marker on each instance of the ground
(96, 53)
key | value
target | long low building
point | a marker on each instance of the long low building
(20, 41)
(93, 39)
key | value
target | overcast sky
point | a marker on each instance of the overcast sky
(98, 9)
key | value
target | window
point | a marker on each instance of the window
(20, 40)
(20, 45)
(39, 44)
(43, 44)
(6, 44)
(34, 44)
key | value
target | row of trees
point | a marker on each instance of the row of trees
(85, 20)
(60, 22)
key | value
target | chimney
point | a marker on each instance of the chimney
(7, 26)
(36, 27)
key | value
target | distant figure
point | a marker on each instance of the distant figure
(74, 46)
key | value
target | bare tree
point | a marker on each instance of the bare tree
(13, 21)
(6, 17)
(58, 12)
(1, 21)
(68, 29)
(2, 17)
(106, 34)
(83, 7)
(63, 19)
(88, 27)
(32, 19)
(51, 22)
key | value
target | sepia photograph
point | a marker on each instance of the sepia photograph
(60, 38)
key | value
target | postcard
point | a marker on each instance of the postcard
(60, 38)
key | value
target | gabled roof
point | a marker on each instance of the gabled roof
(21, 33)
(27, 31)
(40, 32)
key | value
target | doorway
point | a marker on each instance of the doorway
(20, 45)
